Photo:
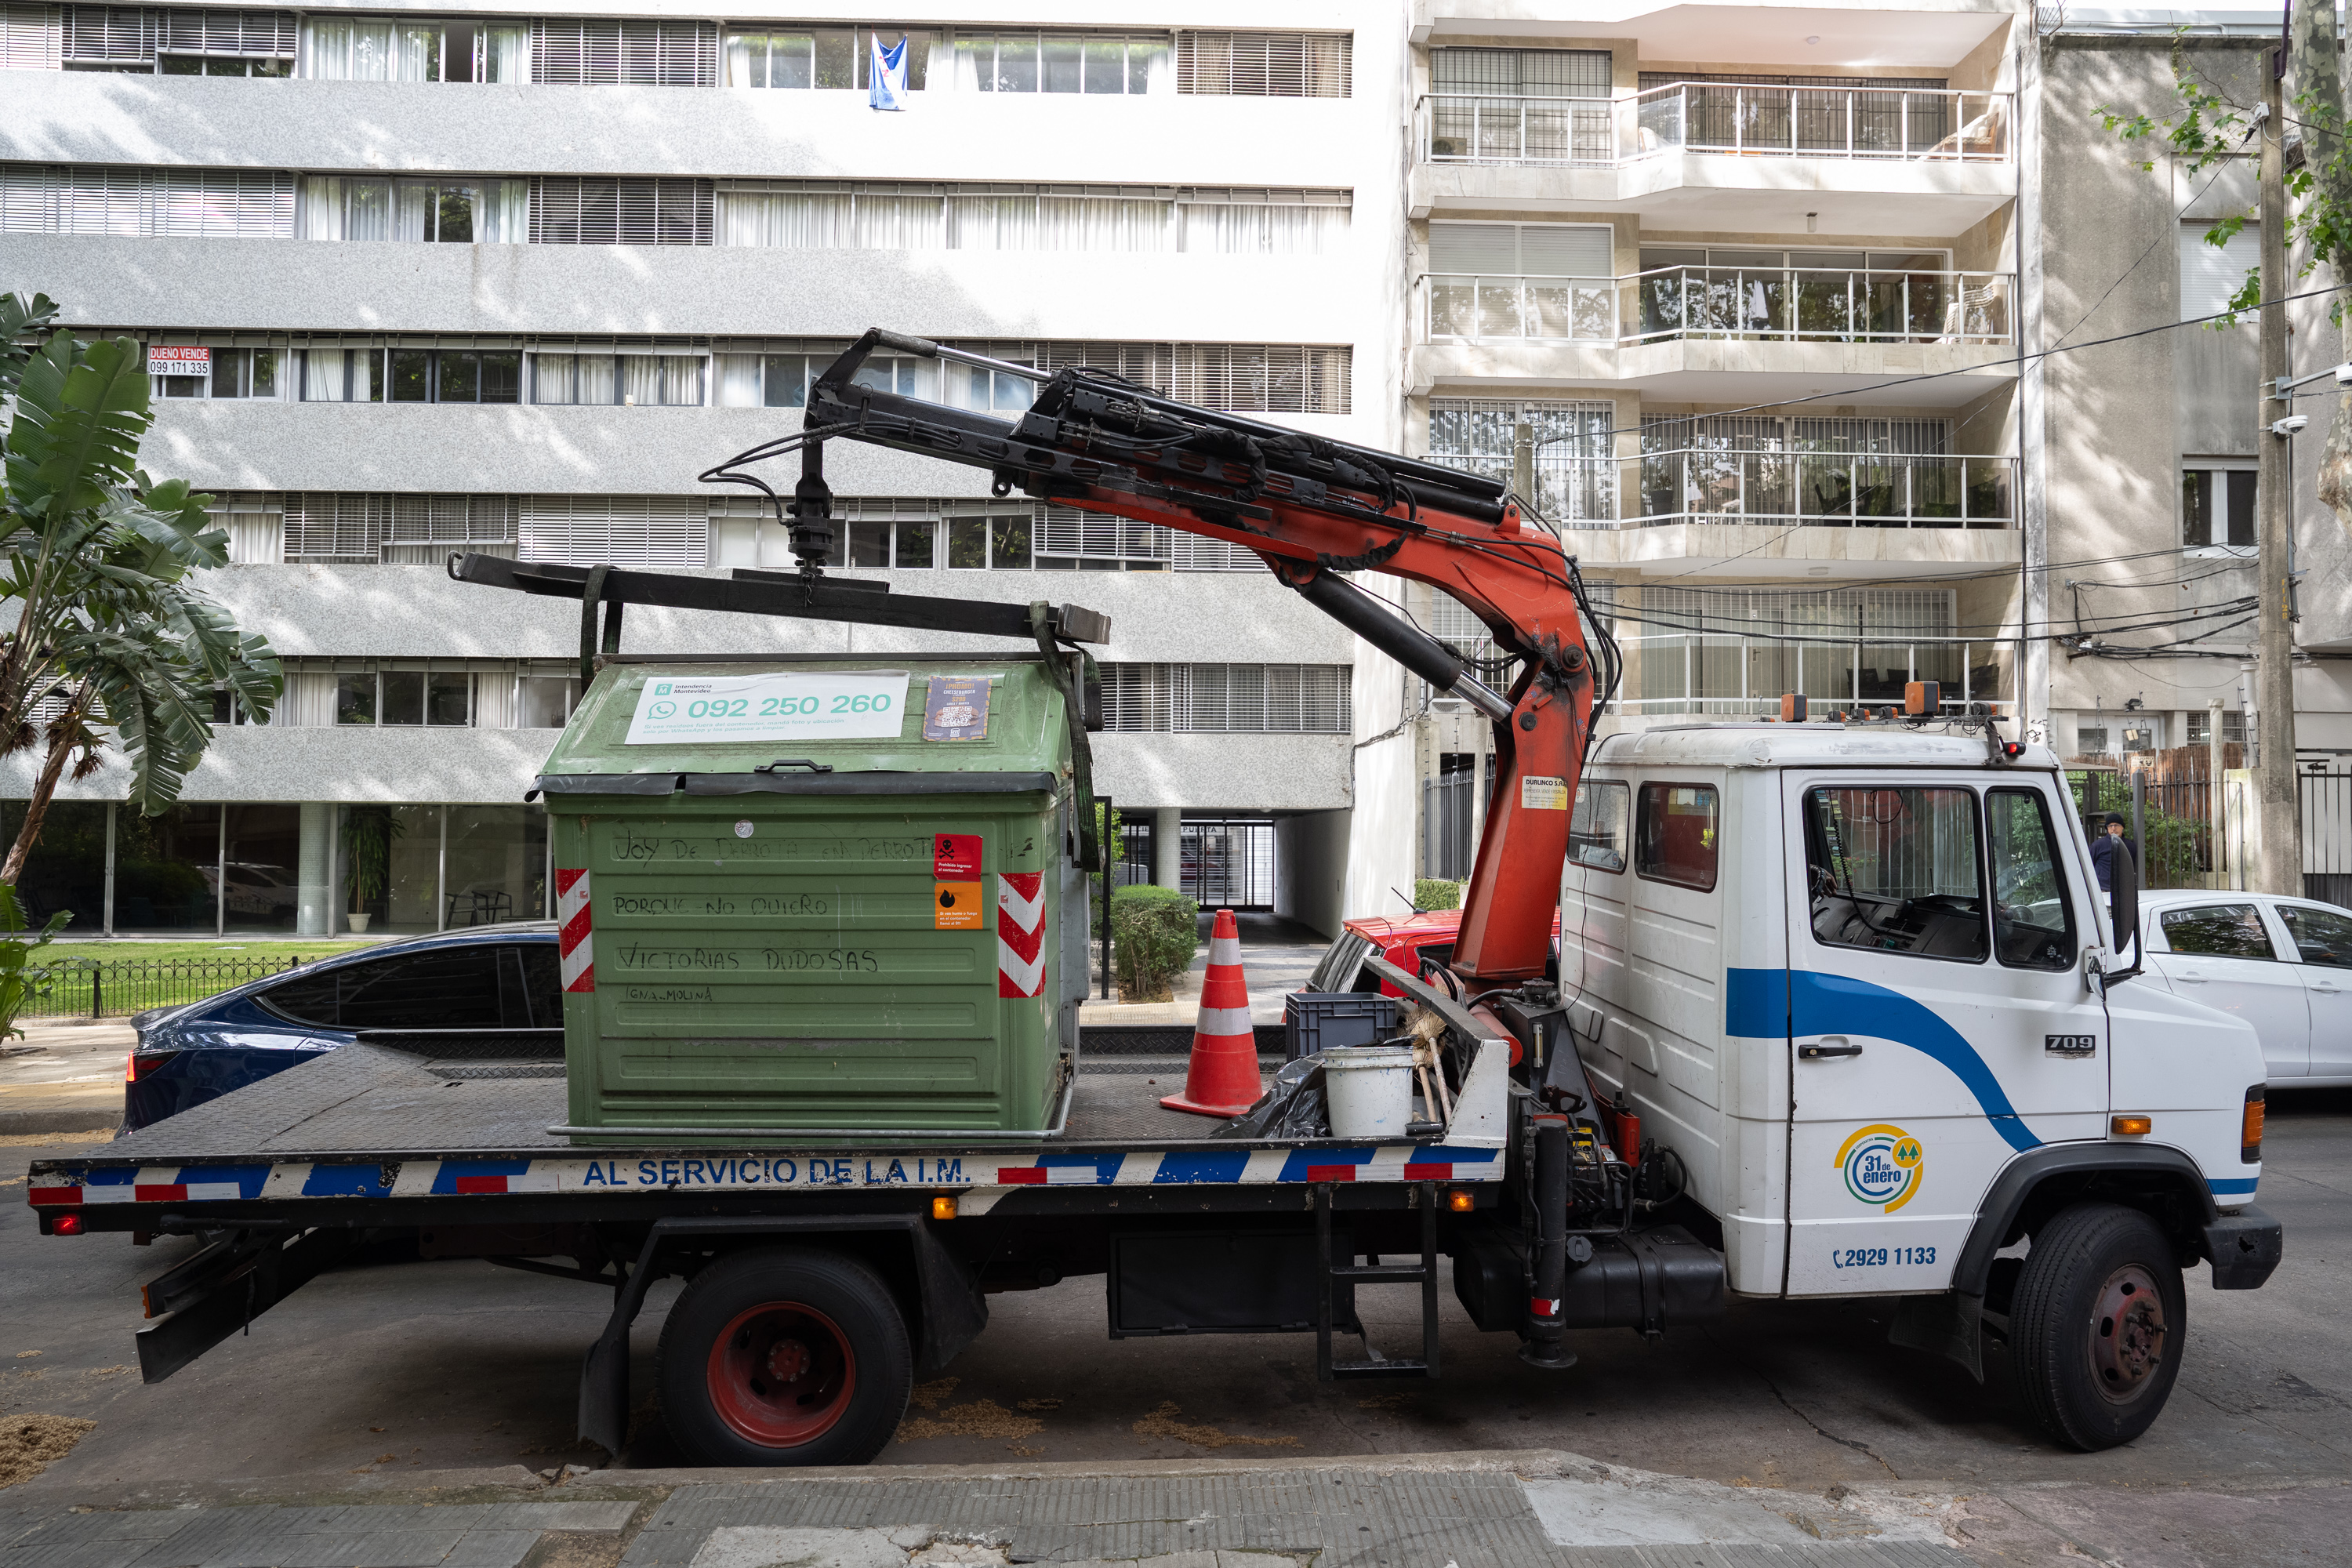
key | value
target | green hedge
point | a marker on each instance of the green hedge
(1436, 893)
(1155, 932)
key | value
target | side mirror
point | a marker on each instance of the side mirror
(2123, 879)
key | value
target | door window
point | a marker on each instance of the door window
(2217, 931)
(2032, 919)
(2321, 936)
(542, 983)
(1896, 870)
(1676, 841)
(1596, 831)
(446, 988)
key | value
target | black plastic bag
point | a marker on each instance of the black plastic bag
(1292, 1108)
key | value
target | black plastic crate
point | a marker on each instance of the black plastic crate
(1314, 1021)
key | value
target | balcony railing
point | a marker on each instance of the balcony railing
(1783, 488)
(1900, 124)
(1722, 674)
(1757, 304)
(1826, 489)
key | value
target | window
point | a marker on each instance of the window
(1576, 469)
(589, 211)
(1253, 699)
(442, 988)
(978, 543)
(1058, 62)
(382, 49)
(2032, 917)
(442, 699)
(2200, 727)
(179, 202)
(1676, 839)
(363, 529)
(174, 42)
(466, 212)
(2217, 931)
(821, 57)
(454, 375)
(2217, 507)
(1896, 870)
(233, 373)
(1732, 651)
(2211, 275)
(1265, 64)
(672, 381)
(2321, 936)
(548, 701)
(1522, 73)
(1596, 832)
(664, 532)
(587, 53)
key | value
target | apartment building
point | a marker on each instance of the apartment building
(508, 277)
(1750, 276)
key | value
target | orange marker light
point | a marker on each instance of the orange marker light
(2250, 1136)
(1922, 696)
(1461, 1200)
(1792, 707)
(2132, 1126)
(943, 1206)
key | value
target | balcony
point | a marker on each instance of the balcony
(1943, 158)
(1826, 489)
(1716, 334)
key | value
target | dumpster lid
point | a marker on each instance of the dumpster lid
(815, 726)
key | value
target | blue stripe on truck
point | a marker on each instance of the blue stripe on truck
(1774, 1004)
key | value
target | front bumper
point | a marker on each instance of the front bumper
(2244, 1248)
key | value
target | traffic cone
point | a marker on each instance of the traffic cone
(1222, 1078)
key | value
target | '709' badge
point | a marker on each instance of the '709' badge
(1884, 1166)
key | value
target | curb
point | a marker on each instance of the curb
(98, 1120)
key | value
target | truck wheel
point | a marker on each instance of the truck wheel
(785, 1356)
(2096, 1325)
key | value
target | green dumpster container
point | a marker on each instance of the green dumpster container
(816, 895)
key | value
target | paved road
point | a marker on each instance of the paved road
(395, 1369)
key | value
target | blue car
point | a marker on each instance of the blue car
(483, 979)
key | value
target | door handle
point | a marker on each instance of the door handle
(2189, 977)
(2326, 990)
(1828, 1046)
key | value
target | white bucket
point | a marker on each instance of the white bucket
(1370, 1089)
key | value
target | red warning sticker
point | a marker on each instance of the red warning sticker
(955, 855)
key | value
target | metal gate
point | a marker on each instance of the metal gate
(1230, 865)
(2325, 793)
(2183, 848)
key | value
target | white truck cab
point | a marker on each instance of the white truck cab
(1859, 980)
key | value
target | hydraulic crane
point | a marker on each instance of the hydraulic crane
(1314, 510)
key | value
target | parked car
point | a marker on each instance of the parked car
(481, 979)
(2284, 965)
(1425, 936)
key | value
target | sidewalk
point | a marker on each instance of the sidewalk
(1277, 955)
(63, 1077)
(1527, 1510)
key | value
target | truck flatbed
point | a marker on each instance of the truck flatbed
(371, 1125)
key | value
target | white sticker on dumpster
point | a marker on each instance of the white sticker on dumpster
(846, 705)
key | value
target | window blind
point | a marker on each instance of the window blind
(124, 35)
(82, 198)
(361, 528)
(1269, 378)
(1521, 73)
(670, 532)
(580, 52)
(1253, 698)
(1265, 64)
(1523, 249)
(2210, 274)
(29, 38)
(567, 210)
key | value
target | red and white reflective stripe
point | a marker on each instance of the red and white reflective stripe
(1020, 933)
(53, 1197)
(1543, 1308)
(1048, 1177)
(573, 940)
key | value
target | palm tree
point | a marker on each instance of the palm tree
(114, 640)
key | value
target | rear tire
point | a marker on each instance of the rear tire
(785, 1356)
(2098, 1324)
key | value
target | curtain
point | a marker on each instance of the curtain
(322, 207)
(897, 223)
(309, 700)
(417, 53)
(322, 375)
(494, 700)
(739, 380)
(349, 51)
(1262, 230)
(506, 54)
(503, 215)
(367, 209)
(411, 207)
(1087, 222)
(641, 380)
(256, 538)
(994, 223)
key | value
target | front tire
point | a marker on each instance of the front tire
(785, 1356)
(2097, 1325)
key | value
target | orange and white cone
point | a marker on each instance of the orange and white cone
(1222, 1078)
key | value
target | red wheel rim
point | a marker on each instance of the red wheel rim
(782, 1374)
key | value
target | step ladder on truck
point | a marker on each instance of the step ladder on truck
(1836, 1011)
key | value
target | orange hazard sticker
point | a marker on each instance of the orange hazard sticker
(955, 906)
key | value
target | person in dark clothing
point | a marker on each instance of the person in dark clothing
(2106, 847)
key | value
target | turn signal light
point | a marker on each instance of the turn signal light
(1922, 696)
(142, 1064)
(2250, 1136)
(2132, 1126)
(943, 1206)
(1792, 707)
(1461, 1200)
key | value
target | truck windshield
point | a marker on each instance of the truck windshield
(1897, 871)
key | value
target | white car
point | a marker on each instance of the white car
(2282, 964)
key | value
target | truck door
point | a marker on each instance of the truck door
(1939, 1018)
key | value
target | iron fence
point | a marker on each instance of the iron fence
(94, 988)
(2326, 796)
(2179, 847)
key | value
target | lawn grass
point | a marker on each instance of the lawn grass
(229, 951)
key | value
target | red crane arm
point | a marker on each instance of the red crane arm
(1313, 510)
